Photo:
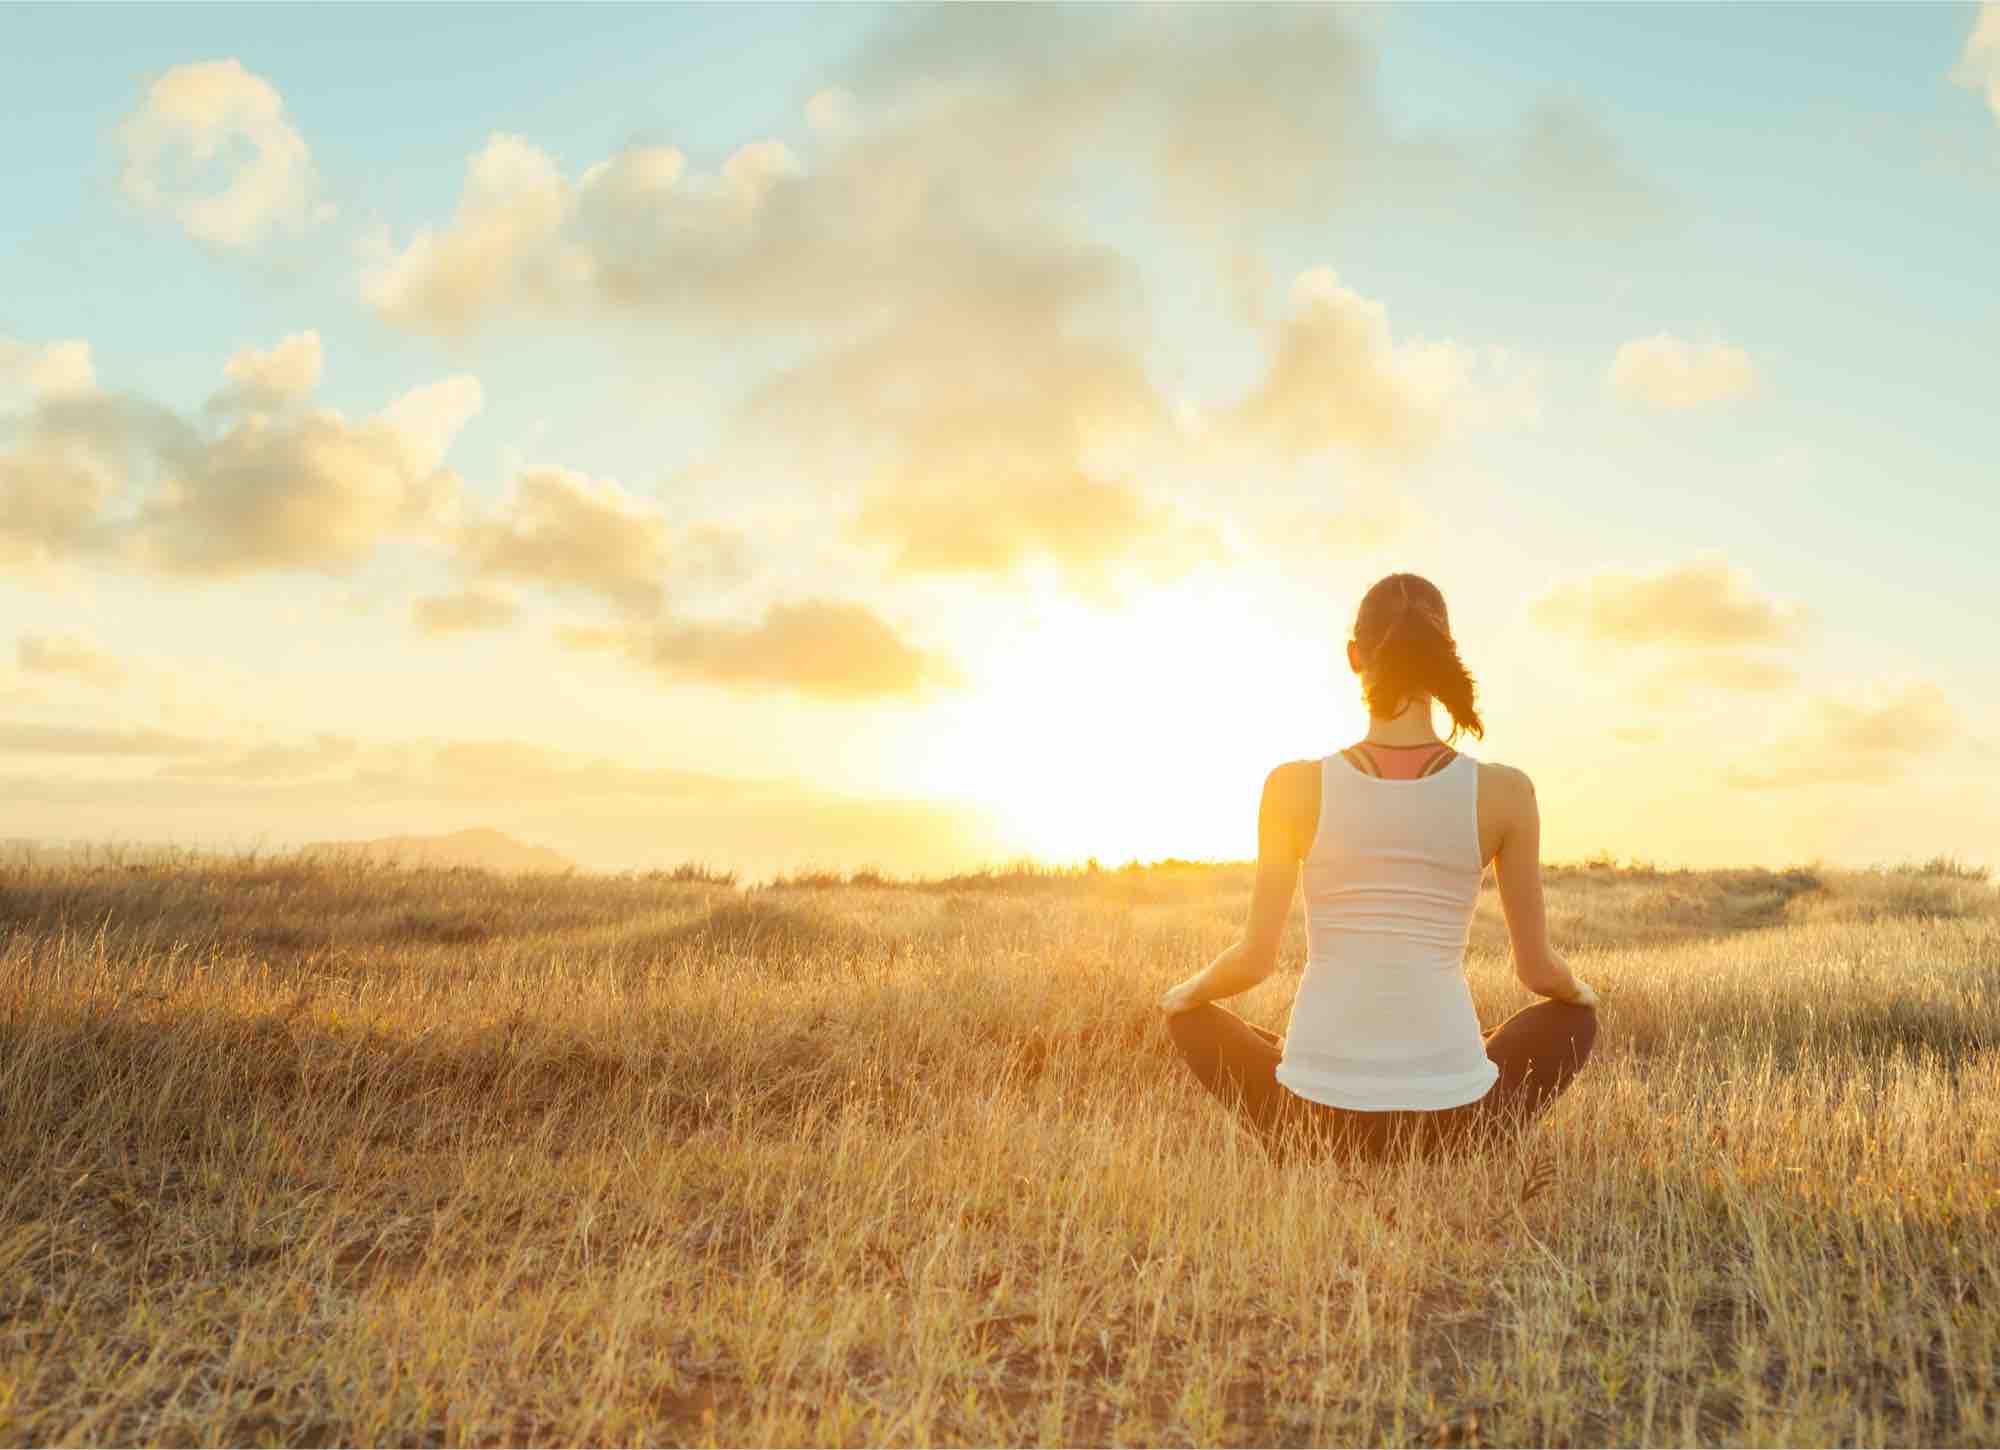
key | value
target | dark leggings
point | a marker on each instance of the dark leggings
(1538, 1050)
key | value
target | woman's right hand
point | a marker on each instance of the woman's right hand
(1181, 997)
(1581, 993)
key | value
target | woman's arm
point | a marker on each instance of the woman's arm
(1518, 867)
(1280, 848)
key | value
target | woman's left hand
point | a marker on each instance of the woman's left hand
(1180, 998)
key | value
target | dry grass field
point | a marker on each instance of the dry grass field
(314, 1153)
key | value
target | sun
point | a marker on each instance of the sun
(1141, 731)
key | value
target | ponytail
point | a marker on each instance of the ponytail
(1404, 637)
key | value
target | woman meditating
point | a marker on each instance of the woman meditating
(1384, 1050)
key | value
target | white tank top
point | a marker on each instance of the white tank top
(1384, 1017)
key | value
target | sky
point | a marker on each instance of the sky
(923, 437)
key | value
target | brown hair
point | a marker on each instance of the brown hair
(1403, 636)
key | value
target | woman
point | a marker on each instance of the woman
(1394, 834)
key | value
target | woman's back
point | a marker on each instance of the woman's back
(1384, 1018)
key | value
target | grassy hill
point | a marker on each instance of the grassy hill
(332, 1152)
(479, 849)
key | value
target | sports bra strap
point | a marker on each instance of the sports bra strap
(1362, 758)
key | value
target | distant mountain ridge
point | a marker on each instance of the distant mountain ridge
(480, 847)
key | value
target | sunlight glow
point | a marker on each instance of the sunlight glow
(1139, 732)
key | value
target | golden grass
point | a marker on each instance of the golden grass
(319, 1154)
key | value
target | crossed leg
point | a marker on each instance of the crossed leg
(1539, 1051)
(1239, 1064)
(1236, 1062)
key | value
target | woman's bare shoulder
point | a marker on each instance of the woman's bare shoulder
(1291, 807)
(1505, 785)
(1506, 776)
(1295, 773)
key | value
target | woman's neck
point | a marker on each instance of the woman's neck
(1410, 726)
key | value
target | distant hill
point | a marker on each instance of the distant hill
(484, 849)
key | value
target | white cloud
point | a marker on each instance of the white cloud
(831, 112)
(866, 265)
(427, 420)
(46, 370)
(1702, 602)
(198, 119)
(1979, 67)
(74, 655)
(1338, 379)
(635, 176)
(288, 372)
(980, 460)
(1870, 736)
(525, 238)
(500, 249)
(751, 171)
(33, 738)
(1679, 633)
(315, 492)
(1574, 182)
(1334, 379)
(464, 612)
(1722, 670)
(68, 462)
(113, 476)
(823, 648)
(1669, 372)
(1365, 523)
(562, 529)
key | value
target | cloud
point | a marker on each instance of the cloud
(1693, 673)
(1333, 380)
(53, 485)
(26, 738)
(69, 654)
(46, 370)
(956, 139)
(480, 766)
(995, 522)
(889, 212)
(91, 474)
(1224, 119)
(826, 649)
(984, 459)
(1575, 182)
(634, 229)
(215, 116)
(274, 378)
(463, 612)
(1723, 670)
(1337, 379)
(1979, 67)
(427, 420)
(316, 492)
(497, 251)
(936, 205)
(69, 460)
(1668, 372)
(831, 112)
(1703, 602)
(265, 763)
(562, 529)
(1867, 739)
(1367, 522)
